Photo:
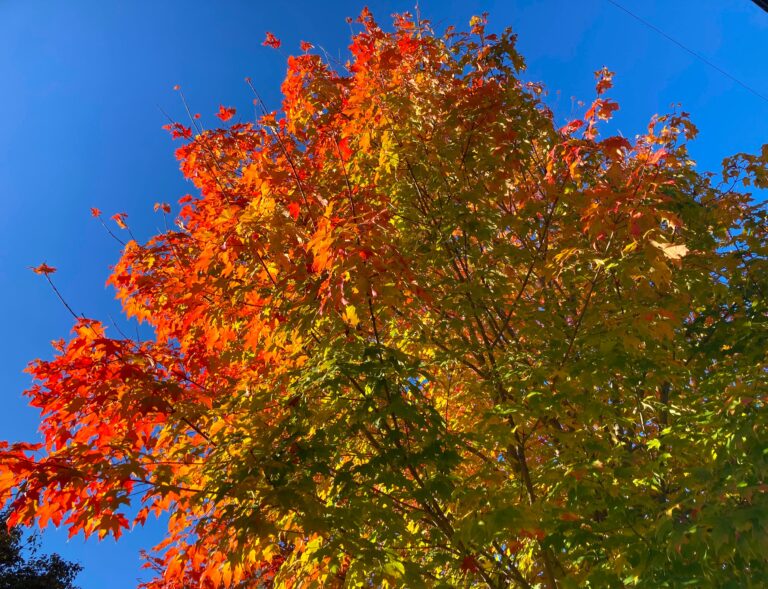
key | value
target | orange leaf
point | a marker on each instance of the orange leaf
(44, 269)
(119, 218)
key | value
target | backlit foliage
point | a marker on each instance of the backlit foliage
(409, 332)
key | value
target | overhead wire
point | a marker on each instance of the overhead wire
(691, 51)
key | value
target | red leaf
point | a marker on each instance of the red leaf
(604, 80)
(95, 212)
(225, 113)
(616, 143)
(602, 109)
(470, 564)
(346, 152)
(306, 46)
(293, 209)
(572, 127)
(271, 41)
(178, 130)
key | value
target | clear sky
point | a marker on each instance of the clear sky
(81, 82)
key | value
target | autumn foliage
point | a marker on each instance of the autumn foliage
(411, 332)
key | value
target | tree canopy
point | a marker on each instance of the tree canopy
(411, 332)
(22, 568)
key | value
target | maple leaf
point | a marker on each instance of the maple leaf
(604, 80)
(572, 127)
(293, 209)
(478, 23)
(178, 131)
(44, 269)
(225, 113)
(657, 156)
(350, 315)
(95, 212)
(306, 46)
(672, 251)
(602, 109)
(119, 218)
(616, 144)
(271, 41)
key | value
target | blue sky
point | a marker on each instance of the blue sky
(80, 126)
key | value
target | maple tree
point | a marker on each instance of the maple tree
(411, 332)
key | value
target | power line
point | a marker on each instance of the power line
(762, 3)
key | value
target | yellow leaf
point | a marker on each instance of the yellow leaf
(350, 316)
(216, 427)
(672, 251)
